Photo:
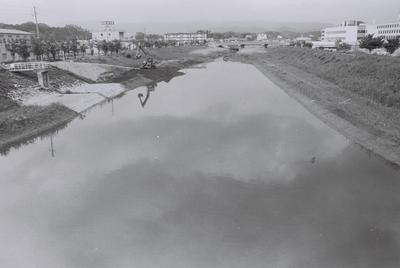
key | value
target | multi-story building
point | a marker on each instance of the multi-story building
(386, 30)
(349, 32)
(108, 35)
(6, 37)
(199, 37)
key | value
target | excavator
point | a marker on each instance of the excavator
(149, 62)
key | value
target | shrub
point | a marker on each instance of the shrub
(392, 45)
(370, 42)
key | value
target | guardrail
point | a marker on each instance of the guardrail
(27, 66)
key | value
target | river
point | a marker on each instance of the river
(217, 168)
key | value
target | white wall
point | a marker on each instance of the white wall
(387, 30)
(106, 36)
(347, 34)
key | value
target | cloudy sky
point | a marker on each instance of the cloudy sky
(131, 11)
(57, 11)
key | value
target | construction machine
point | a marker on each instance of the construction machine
(149, 62)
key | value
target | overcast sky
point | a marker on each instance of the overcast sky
(126, 11)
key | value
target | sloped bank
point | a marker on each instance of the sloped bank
(371, 124)
(39, 112)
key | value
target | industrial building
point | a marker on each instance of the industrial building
(349, 32)
(6, 37)
(186, 38)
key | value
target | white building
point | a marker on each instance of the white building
(262, 37)
(108, 35)
(386, 30)
(199, 36)
(349, 32)
(6, 36)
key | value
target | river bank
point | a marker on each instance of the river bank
(26, 111)
(324, 83)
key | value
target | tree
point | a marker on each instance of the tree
(140, 36)
(308, 45)
(74, 46)
(91, 46)
(83, 49)
(392, 45)
(65, 33)
(38, 47)
(111, 47)
(24, 50)
(104, 47)
(98, 46)
(65, 47)
(117, 46)
(154, 37)
(53, 48)
(370, 42)
(13, 48)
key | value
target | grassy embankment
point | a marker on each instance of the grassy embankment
(18, 122)
(372, 76)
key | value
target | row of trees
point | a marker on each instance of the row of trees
(111, 47)
(370, 42)
(65, 33)
(53, 49)
(40, 47)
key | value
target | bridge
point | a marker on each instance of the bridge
(27, 66)
(41, 68)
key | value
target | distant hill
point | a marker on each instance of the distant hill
(214, 26)
(67, 32)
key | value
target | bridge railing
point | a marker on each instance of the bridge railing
(27, 66)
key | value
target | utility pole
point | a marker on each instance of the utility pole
(37, 25)
(52, 146)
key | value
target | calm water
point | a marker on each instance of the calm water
(218, 169)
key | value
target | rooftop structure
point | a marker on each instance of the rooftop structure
(14, 32)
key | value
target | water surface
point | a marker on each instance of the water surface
(217, 168)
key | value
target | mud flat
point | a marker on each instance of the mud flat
(372, 125)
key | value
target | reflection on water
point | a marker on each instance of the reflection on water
(217, 171)
(43, 135)
(150, 88)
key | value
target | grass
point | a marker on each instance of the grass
(375, 77)
(27, 121)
